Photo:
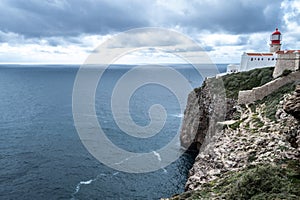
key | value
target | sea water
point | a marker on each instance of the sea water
(41, 155)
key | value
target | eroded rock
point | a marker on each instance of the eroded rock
(292, 105)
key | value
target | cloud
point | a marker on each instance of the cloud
(35, 18)
(231, 16)
(57, 29)
(291, 28)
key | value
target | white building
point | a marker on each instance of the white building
(231, 68)
(259, 60)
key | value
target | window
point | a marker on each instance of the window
(272, 58)
(268, 58)
(258, 59)
(262, 59)
(275, 37)
(251, 59)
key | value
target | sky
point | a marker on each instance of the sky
(67, 31)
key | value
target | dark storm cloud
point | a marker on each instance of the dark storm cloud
(54, 18)
(35, 18)
(232, 16)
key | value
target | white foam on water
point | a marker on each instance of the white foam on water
(122, 161)
(86, 182)
(126, 159)
(116, 173)
(157, 155)
(77, 188)
(180, 115)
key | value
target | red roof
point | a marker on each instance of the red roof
(276, 32)
(288, 51)
(259, 54)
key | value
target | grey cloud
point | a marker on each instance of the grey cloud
(232, 16)
(145, 37)
(53, 19)
(35, 18)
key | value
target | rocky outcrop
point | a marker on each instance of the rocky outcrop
(255, 141)
(191, 121)
(205, 107)
(292, 105)
(249, 137)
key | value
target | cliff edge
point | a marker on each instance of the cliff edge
(247, 151)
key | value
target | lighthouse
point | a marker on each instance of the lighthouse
(275, 41)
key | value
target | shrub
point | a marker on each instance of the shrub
(233, 83)
(286, 72)
(264, 181)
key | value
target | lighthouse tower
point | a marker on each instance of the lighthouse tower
(275, 41)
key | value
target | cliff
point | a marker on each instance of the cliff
(255, 153)
(204, 109)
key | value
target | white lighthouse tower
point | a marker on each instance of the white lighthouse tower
(275, 41)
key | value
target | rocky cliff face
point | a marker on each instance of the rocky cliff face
(265, 134)
(292, 106)
(256, 140)
(206, 106)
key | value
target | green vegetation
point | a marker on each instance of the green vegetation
(235, 125)
(255, 182)
(252, 107)
(264, 181)
(258, 123)
(236, 115)
(286, 72)
(233, 83)
(271, 101)
(252, 156)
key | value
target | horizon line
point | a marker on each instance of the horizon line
(109, 64)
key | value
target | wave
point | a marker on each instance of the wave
(157, 155)
(180, 115)
(77, 188)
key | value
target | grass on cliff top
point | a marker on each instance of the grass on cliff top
(235, 82)
(247, 80)
(255, 182)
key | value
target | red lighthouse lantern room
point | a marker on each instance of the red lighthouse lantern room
(275, 41)
(276, 37)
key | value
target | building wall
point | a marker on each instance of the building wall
(252, 62)
(258, 93)
(232, 68)
(286, 61)
(275, 47)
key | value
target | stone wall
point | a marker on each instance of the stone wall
(258, 93)
(286, 61)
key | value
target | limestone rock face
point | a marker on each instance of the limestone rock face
(250, 139)
(292, 105)
(191, 121)
(205, 106)
(232, 150)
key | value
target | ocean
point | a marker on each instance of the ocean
(42, 156)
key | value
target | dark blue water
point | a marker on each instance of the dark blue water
(41, 155)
